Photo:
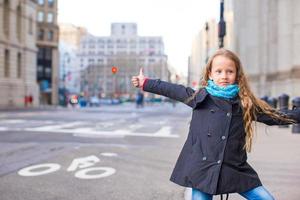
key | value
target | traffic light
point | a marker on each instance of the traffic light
(114, 70)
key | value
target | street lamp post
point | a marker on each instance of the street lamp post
(207, 42)
(222, 25)
(66, 59)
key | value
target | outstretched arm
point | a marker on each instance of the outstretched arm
(292, 114)
(171, 90)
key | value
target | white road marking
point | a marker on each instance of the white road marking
(32, 170)
(83, 174)
(55, 127)
(79, 163)
(81, 129)
(4, 129)
(12, 121)
(107, 154)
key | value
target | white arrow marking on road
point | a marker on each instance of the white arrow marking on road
(83, 162)
(83, 174)
(33, 170)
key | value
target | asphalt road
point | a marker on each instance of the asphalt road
(120, 153)
(95, 153)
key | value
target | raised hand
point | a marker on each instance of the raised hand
(138, 81)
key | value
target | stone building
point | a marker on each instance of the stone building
(267, 38)
(71, 34)
(18, 53)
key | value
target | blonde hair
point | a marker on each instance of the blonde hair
(251, 105)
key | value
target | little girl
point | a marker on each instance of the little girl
(214, 157)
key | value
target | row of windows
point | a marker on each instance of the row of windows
(99, 61)
(50, 2)
(7, 72)
(45, 35)
(41, 17)
(6, 20)
(119, 41)
(142, 52)
(119, 46)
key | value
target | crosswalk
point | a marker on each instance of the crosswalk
(89, 129)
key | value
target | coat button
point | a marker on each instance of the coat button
(219, 161)
(208, 134)
(228, 114)
(212, 110)
(204, 158)
(223, 137)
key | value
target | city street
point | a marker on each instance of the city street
(120, 152)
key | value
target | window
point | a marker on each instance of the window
(19, 22)
(19, 67)
(50, 17)
(48, 54)
(50, 3)
(40, 16)
(41, 34)
(6, 63)
(40, 54)
(50, 35)
(40, 71)
(48, 72)
(41, 2)
(30, 25)
(6, 17)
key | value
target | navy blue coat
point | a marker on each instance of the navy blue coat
(213, 159)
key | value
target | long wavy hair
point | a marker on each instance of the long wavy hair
(250, 104)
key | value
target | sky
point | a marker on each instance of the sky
(177, 21)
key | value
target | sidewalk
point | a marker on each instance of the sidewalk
(276, 159)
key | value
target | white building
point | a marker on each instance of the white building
(122, 48)
(69, 68)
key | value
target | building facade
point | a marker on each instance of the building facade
(69, 67)
(18, 53)
(267, 38)
(71, 34)
(125, 50)
(48, 57)
(203, 46)
(206, 43)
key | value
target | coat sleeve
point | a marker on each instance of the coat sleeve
(171, 90)
(266, 119)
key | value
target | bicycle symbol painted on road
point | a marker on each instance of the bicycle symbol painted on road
(82, 165)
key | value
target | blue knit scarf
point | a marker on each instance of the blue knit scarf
(228, 92)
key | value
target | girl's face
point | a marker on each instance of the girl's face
(223, 71)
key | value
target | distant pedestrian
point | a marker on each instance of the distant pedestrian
(214, 157)
(30, 100)
(139, 100)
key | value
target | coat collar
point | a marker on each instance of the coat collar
(200, 97)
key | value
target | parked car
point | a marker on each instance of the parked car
(94, 101)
